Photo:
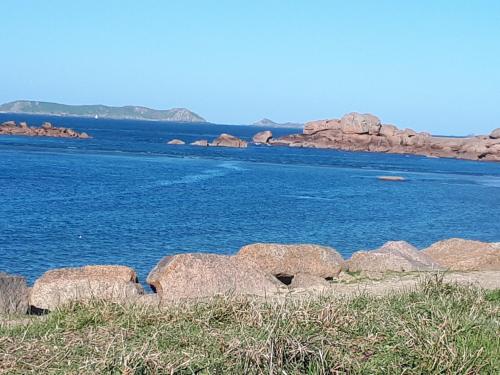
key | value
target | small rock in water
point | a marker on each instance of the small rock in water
(176, 142)
(391, 178)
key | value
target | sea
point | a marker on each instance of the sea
(126, 197)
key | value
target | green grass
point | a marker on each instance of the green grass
(435, 328)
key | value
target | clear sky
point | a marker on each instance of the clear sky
(429, 64)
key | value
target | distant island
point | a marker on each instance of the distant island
(101, 111)
(270, 123)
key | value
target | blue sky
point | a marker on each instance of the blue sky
(429, 65)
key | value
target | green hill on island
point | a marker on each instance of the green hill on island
(101, 111)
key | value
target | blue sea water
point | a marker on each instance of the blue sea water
(125, 197)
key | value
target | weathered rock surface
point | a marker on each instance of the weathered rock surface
(201, 142)
(14, 294)
(227, 140)
(46, 130)
(61, 286)
(286, 261)
(176, 142)
(393, 256)
(207, 275)
(495, 134)
(365, 132)
(458, 254)
(262, 137)
(307, 281)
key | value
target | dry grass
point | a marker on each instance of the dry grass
(435, 328)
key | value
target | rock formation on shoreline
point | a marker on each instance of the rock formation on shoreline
(393, 256)
(14, 294)
(365, 132)
(465, 255)
(204, 275)
(46, 130)
(285, 261)
(61, 286)
(262, 269)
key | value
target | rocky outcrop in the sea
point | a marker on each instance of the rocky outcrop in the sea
(262, 138)
(46, 130)
(206, 275)
(393, 256)
(14, 294)
(61, 286)
(176, 142)
(365, 132)
(458, 254)
(201, 142)
(228, 140)
(286, 261)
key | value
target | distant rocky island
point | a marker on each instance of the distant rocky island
(271, 124)
(365, 132)
(101, 111)
(46, 130)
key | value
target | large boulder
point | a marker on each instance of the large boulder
(14, 294)
(262, 137)
(286, 261)
(393, 256)
(206, 275)
(228, 140)
(314, 127)
(495, 134)
(465, 255)
(357, 123)
(61, 286)
(388, 130)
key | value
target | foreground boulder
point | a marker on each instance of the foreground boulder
(393, 256)
(46, 130)
(206, 275)
(14, 294)
(286, 261)
(465, 255)
(227, 140)
(262, 137)
(307, 281)
(61, 286)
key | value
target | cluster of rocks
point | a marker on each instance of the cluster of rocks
(260, 269)
(223, 140)
(46, 130)
(365, 132)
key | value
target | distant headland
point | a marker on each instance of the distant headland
(271, 124)
(101, 111)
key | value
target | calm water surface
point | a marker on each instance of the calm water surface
(125, 197)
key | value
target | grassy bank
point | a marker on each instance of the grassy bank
(434, 328)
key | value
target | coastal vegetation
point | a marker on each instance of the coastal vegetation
(433, 327)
